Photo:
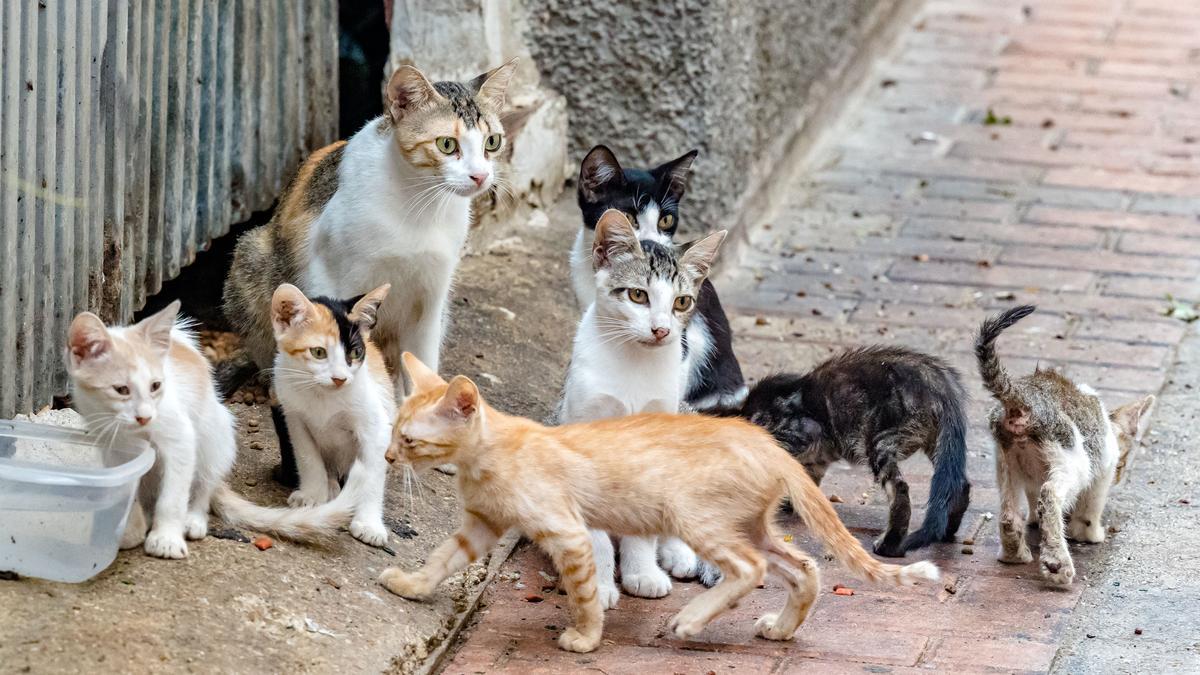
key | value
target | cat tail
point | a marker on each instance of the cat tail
(995, 377)
(949, 489)
(308, 524)
(231, 374)
(816, 511)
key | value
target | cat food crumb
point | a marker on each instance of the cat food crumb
(842, 590)
(533, 597)
(788, 538)
(1137, 631)
(836, 499)
(921, 257)
(968, 550)
(968, 542)
(760, 320)
(263, 543)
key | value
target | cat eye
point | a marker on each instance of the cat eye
(318, 353)
(638, 295)
(356, 353)
(446, 144)
(666, 222)
(407, 440)
(493, 142)
(121, 389)
(683, 303)
(155, 386)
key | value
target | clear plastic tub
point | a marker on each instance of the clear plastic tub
(64, 499)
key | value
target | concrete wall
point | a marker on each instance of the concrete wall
(653, 78)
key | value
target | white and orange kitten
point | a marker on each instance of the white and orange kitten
(149, 382)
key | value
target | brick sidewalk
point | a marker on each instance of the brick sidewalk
(1078, 192)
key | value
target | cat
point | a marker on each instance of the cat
(650, 199)
(713, 482)
(1058, 447)
(336, 396)
(390, 205)
(878, 406)
(149, 382)
(628, 358)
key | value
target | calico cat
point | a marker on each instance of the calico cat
(1058, 447)
(650, 199)
(877, 406)
(150, 382)
(391, 205)
(628, 358)
(336, 395)
(715, 483)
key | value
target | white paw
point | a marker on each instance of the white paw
(574, 641)
(196, 526)
(449, 470)
(374, 534)
(1081, 530)
(304, 498)
(608, 594)
(678, 558)
(684, 627)
(161, 545)
(767, 627)
(653, 583)
(710, 575)
(1057, 568)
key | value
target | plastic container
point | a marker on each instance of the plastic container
(64, 499)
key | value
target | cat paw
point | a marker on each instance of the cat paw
(572, 640)
(652, 584)
(372, 534)
(1057, 567)
(170, 546)
(684, 626)
(305, 498)
(133, 537)
(768, 627)
(448, 469)
(410, 586)
(1018, 557)
(196, 526)
(608, 594)
(889, 546)
(678, 558)
(1085, 531)
(710, 575)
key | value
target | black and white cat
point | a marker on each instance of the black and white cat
(650, 199)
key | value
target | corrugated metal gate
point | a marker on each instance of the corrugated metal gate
(132, 132)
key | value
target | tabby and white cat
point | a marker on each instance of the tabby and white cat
(1058, 447)
(149, 382)
(628, 358)
(391, 205)
(650, 199)
(715, 483)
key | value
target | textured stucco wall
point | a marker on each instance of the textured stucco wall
(652, 78)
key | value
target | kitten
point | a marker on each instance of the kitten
(713, 482)
(628, 358)
(149, 382)
(391, 205)
(1057, 446)
(650, 199)
(877, 406)
(336, 395)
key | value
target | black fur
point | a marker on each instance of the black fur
(995, 378)
(462, 101)
(876, 405)
(604, 184)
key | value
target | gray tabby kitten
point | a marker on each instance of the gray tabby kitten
(1059, 447)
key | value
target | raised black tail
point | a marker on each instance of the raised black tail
(995, 378)
(949, 489)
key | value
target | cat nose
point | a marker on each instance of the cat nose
(479, 179)
(142, 421)
(338, 381)
(661, 333)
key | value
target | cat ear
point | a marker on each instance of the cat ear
(289, 307)
(675, 174)
(157, 327)
(407, 90)
(87, 338)
(492, 85)
(1133, 418)
(420, 374)
(615, 237)
(599, 169)
(366, 308)
(699, 256)
(461, 400)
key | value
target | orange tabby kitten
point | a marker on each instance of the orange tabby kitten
(714, 483)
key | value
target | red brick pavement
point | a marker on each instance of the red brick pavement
(1083, 198)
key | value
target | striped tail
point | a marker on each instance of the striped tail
(995, 378)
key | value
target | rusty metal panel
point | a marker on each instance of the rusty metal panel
(132, 133)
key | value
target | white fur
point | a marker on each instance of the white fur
(193, 438)
(392, 223)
